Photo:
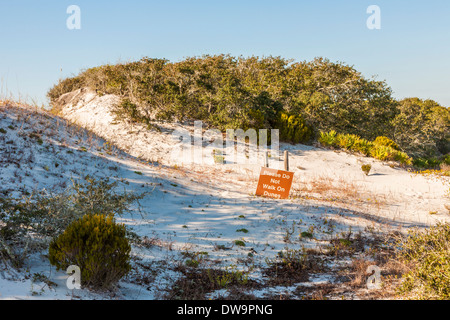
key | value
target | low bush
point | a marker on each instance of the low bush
(328, 139)
(293, 128)
(384, 141)
(426, 253)
(366, 169)
(380, 150)
(98, 246)
(431, 162)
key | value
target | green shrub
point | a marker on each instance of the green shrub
(366, 168)
(403, 158)
(384, 141)
(363, 146)
(239, 243)
(239, 92)
(427, 163)
(446, 159)
(347, 141)
(293, 128)
(355, 143)
(328, 139)
(427, 254)
(382, 153)
(98, 246)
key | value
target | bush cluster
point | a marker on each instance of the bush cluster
(98, 246)
(426, 252)
(376, 149)
(293, 128)
(384, 141)
(237, 92)
(229, 92)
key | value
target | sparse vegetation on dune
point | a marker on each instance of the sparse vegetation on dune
(28, 224)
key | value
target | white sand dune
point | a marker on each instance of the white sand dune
(202, 207)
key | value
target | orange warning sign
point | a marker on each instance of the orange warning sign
(274, 183)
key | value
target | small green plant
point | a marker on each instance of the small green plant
(366, 168)
(239, 243)
(218, 157)
(2, 130)
(192, 263)
(242, 230)
(306, 234)
(98, 246)
(231, 275)
(328, 139)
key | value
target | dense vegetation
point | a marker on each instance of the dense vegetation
(271, 92)
(426, 254)
(381, 148)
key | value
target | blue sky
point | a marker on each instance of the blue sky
(411, 50)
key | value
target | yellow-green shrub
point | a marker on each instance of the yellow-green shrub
(366, 168)
(382, 153)
(328, 139)
(363, 146)
(384, 141)
(98, 246)
(373, 149)
(347, 141)
(293, 128)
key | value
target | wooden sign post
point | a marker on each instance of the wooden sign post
(274, 183)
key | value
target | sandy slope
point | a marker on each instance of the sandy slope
(200, 207)
(407, 196)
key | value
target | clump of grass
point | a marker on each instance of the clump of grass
(306, 234)
(218, 156)
(196, 282)
(426, 253)
(366, 169)
(239, 243)
(292, 266)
